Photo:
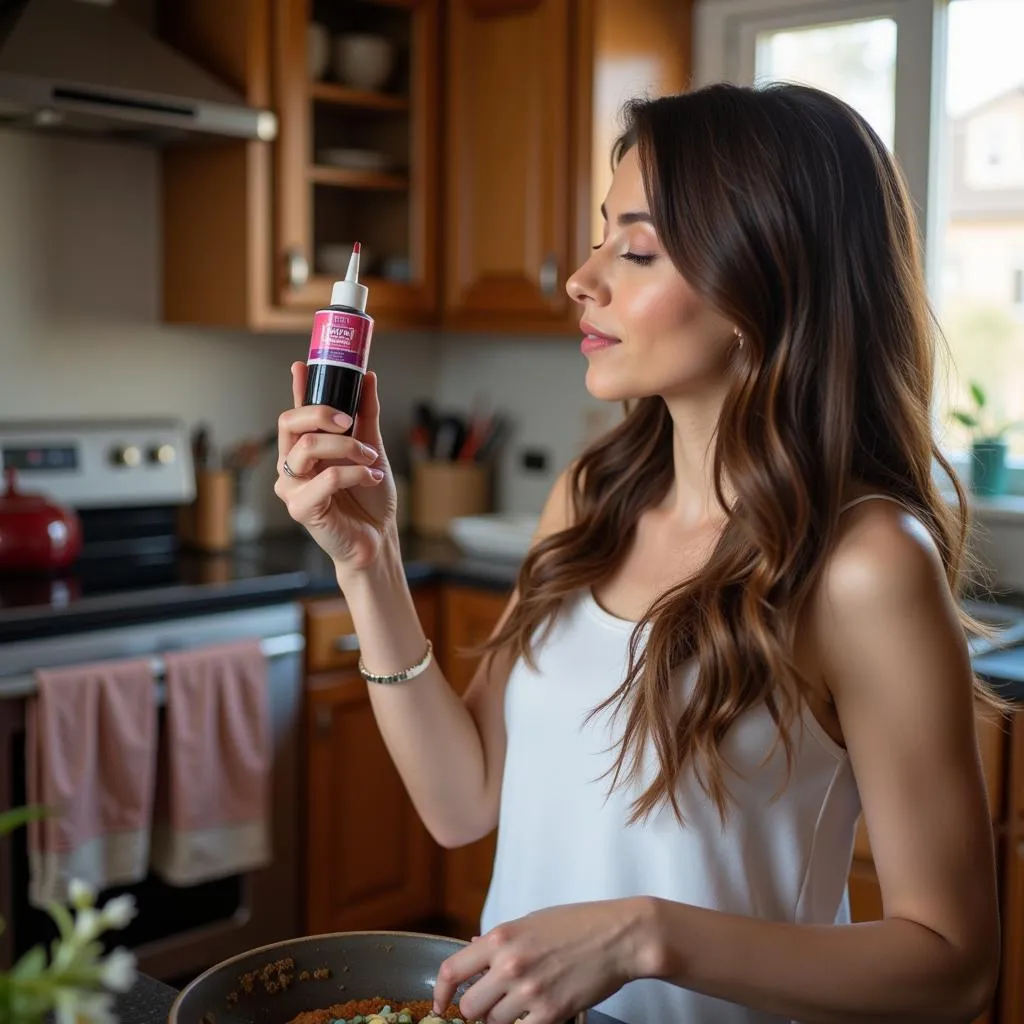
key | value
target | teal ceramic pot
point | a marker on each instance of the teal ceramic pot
(988, 468)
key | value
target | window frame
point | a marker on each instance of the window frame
(724, 49)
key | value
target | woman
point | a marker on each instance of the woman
(737, 625)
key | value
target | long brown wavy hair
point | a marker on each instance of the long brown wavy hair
(783, 209)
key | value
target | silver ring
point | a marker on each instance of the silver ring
(288, 471)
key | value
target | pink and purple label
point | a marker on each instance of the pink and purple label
(340, 339)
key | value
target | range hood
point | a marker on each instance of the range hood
(83, 66)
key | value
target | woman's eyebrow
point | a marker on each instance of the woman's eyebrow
(625, 219)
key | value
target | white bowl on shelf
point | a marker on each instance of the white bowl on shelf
(363, 61)
(501, 535)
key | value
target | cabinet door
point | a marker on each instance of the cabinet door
(322, 205)
(215, 198)
(370, 863)
(470, 615)
(508, 182)
(1011, 985)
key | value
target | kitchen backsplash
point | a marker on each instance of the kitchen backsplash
(81, 335)
(540, 381)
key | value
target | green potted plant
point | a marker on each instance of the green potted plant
(76, 981)
(988, 444)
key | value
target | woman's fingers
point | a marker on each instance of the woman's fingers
(299, 374)
(459, 967)
(307, 501)
(311, 449)
(306, 419)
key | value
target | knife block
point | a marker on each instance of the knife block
(443, 490)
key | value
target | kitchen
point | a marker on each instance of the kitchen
(161, 288)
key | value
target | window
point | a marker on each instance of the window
(854, 60)
(943, 84)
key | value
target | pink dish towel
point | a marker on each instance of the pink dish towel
(91, 734)
(213, 778)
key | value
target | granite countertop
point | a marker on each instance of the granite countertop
(150, 1000)
(279, 568)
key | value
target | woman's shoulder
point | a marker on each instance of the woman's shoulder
(884, 565)
(881, 548)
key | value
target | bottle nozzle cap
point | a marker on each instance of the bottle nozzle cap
(350, 292)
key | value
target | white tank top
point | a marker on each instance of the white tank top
(562, 838)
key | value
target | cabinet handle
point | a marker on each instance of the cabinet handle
(323, 720)
(296, 268)
(346, 642)
(548, 276)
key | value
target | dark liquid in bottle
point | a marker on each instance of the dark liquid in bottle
(336, 386)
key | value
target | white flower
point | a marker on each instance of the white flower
(81, 894)
(88, 925)
(117, 970)
(73, 1006)
(118, 912)
(96, 1007)
(65, 1004)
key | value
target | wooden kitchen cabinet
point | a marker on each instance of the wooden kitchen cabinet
(1010, 998)
(533, 91)
(246, 223)
(370, 862)
(469, 615)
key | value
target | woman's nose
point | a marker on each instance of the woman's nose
(585, 285)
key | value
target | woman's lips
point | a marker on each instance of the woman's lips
(593, 339)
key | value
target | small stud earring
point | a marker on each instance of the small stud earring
(739, 339)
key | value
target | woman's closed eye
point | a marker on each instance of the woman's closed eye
(641, 259)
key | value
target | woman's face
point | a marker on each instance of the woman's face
(646, 331)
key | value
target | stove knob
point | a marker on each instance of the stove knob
(162, 454)
(126, 455)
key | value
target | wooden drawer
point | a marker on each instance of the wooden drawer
(993, 746)
(331, 640)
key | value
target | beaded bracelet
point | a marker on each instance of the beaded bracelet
(403, 676)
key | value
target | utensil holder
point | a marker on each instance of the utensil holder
(443, 490)
(208, 523)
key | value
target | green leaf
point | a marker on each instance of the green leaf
(18, 816)
(31, 965)
(978, 394)
(62, 918)
(966, 419)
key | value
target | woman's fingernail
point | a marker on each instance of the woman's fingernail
(343, 419)
(377, 474)
(370, 453)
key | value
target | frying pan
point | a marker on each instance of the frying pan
(400, 966)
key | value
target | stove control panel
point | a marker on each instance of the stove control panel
(101, 464)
